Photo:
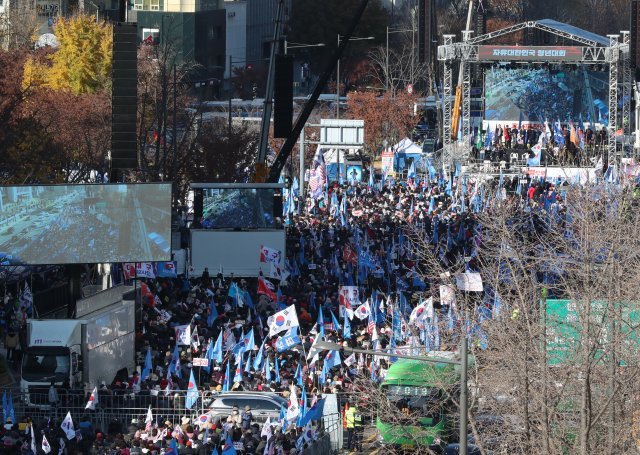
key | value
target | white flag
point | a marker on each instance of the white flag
(283, 320)
(471, 282)
(67, 426)
(46, 448)
(195, 339)
(350, 360)
(145, 270)
(269, 255)
(363, 311)
(422, 311)
(266, 429)
(294, 408)
(62, 446)
(148, 421)
(93, 400)
(33, 439)
(183, 334)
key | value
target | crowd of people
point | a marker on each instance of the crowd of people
(351, 274)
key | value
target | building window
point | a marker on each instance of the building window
(137, 4)
(155, 5)
(212, 33)
(266, 49)
(151, 35)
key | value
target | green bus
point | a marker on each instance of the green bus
(421, 394)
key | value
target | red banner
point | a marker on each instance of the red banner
(530, 53)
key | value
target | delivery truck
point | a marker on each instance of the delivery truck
(96, 346)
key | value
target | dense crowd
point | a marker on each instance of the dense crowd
(352, 274)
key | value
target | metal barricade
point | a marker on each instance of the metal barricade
(114, 408)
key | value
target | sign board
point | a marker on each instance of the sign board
(564, 327)
(387, 161)
(336, 133)
(530, 53)
(200, 362)
(47, 8)
(409, 89)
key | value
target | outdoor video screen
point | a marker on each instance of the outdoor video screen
(239, 208)
(543, 94)
(72, 224)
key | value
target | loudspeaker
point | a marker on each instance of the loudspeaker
(124, 97)
(283, 96)
(634, 45)
(426, 31)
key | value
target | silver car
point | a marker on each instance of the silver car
(264, 405)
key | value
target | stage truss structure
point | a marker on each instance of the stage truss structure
(615, 55)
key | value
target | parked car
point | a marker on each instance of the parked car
(264, 405)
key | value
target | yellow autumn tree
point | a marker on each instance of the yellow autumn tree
(82, 61)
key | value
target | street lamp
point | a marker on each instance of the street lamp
(288, 45)
(321, 345)
(338, 73)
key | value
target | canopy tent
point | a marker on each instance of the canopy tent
(405, 152)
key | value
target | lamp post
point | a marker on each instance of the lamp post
(463, 363)
(288, 45)
(338, 73)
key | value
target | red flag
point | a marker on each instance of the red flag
(129, 269)
(265, 287)
(349, 255)
(148, 40)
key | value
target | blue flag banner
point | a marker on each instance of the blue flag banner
(167, 270)
(288, 340)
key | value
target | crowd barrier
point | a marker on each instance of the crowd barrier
(114, 410)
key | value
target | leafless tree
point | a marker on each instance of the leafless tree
(18, 25)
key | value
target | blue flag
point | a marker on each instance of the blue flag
(257, 363)
(332, 359)
(238, 375)
(336, 325)
(227, 378)
(209, 356)
(313, 413)
(346, 328)
(288, 340)
(217, 349)
(148, 367)
(320, 323)
(298, 375)
(192, 392)
(167, 270)
(248, 300)
(213, 314)
(277, 369)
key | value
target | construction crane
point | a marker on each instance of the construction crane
(457, 104)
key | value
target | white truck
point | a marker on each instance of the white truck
(96, 346)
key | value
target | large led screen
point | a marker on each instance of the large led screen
(239, 208)
(71, 224)
(535, 95)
